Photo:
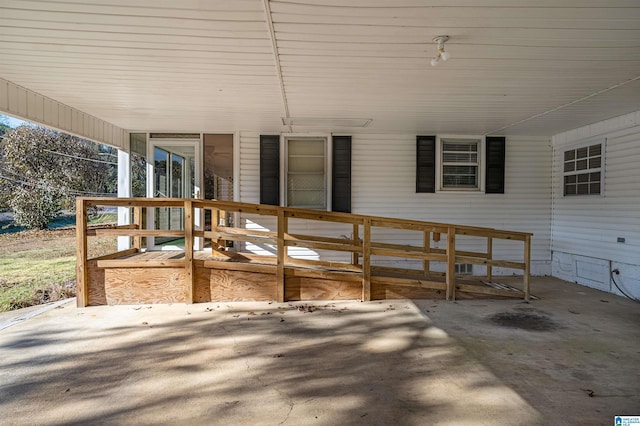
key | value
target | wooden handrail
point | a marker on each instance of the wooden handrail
(294, 212)
(359, 244)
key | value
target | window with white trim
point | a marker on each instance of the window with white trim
(460, 164)
(582, 169)
(306, 173)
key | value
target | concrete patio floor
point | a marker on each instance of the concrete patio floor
(328, 363)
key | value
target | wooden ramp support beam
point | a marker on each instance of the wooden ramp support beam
(282, 256)
(527, 267)
(366, 260)
(190, 280)
(137, 221)
(82, 275)
(356, 237)
(451, 264)
(489, 257)
(426, 245)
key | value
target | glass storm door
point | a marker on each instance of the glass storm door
(175, 175)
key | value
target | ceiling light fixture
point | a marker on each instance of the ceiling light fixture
(441, 54)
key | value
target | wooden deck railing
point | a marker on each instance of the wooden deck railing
(359, 244)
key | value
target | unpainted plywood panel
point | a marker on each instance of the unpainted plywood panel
(239, 286)
(320, 289)
(384, 291)
(145, 285)
(96, 293)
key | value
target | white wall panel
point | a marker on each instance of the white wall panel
(588, 227)
(4, 95)
(383, 184)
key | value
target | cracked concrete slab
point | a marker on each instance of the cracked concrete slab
(374, 363)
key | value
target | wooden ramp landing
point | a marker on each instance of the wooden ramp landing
(191, 276)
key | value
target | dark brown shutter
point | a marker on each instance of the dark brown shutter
(426, 164)
(495, 161)
(270, 169)
(341, 179)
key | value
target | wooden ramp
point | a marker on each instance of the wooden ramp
(191, 276)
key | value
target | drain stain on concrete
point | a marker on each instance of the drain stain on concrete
(525, 321)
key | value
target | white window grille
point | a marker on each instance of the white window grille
(460, 164)
(583, 170)
(306, 173)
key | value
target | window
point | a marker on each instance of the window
(306, 173)
(583, 170)
(460, 161)
(311, 172)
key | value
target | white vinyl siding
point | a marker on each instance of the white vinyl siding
(383, 184)
(591, 226)
(383, 176)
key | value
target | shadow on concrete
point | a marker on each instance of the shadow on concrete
(247, 363)
(572, 355)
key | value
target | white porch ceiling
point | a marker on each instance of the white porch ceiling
(517, 67)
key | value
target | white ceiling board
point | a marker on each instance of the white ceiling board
(517, 67)
(619, 101)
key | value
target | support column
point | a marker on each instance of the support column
(124, 191)
(527, 267)
(366, 260)
(282, 256)
(426, 245)
(489, 258)
(82, 276)
(451, 264)
(188, 251)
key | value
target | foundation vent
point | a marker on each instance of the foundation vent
(464, 268)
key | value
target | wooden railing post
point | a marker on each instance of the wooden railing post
(215, 222)
(426, 244)
(489, 258)
(82, 275)
(451, 264)
(137, 221)
(356, 236)
(527, 267)
(282, 255)
(366, 260)
(188, 250)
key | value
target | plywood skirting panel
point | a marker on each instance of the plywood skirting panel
(202, 286)
(320, 289)
(115, 286)
(385, 291)
(390, 291)
(145, 285)
(96, 293)
(238, 285)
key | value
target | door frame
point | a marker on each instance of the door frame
(164, 143)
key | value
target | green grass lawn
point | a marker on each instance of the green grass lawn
(39, 266)
(35, 276)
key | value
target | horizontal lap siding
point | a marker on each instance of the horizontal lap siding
(250, 193)
(383, 184)
(250, 167)
(590, 225)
